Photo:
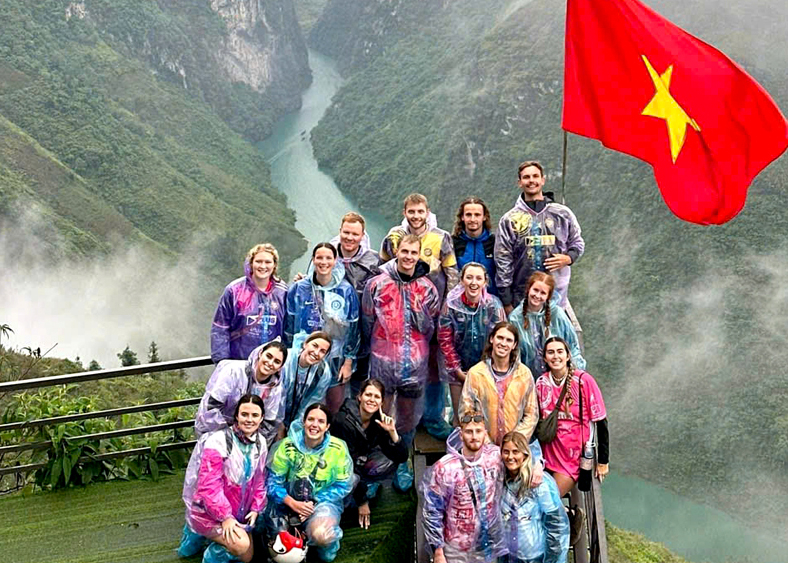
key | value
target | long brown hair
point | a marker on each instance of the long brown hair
(459, 224)
(515, 353)
(524, 476)
(570, 368)
(549, 281)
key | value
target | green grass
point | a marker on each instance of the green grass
(141, 521)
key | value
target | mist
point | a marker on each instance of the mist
(93, 307)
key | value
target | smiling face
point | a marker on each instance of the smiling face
(538, 294)
(503, 342)
(268, 363)
(350, 235)
(324, 261)
(370, 399)
(249, 418)
(473, 437)
(555, 356)
(315, 426)
(314, 351)
(473, 218)
(416, 214)
(408, 257)
(473, 280)
(263, 266)
(512, 457)
(531, 182)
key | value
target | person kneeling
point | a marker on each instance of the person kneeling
(371, 436)
(224, 488)
(309, 475)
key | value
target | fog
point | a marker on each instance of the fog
(94, 307)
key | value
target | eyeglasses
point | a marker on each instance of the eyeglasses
(472, 418)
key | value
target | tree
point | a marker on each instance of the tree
(153, 353)
(94, 365)
(5, 331)
(128, 358)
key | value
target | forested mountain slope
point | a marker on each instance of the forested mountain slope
(685, 325)
(124, 121)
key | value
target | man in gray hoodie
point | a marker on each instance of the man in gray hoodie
(537, 234)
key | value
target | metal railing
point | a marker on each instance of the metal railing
(25, 384)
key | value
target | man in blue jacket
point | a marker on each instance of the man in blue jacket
(473, 239)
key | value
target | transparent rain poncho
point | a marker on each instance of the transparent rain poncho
(323, 475)
(333, 308)
(461, 511)
(225, 477)
(463, 331)
(536, 526)
(532, 338)
(230, 380)
(301, 386)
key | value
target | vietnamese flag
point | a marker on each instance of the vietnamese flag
(645, 87)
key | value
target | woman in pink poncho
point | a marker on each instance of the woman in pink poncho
(562, 455)
(224, 489)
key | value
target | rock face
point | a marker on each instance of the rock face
(263, 46)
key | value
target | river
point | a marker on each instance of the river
(694, 531)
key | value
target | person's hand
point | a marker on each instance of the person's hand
(557, 261)
(303, 509)
(363, 516)
(602, 469)
(438, 556)
(460, 375)
(345, 371)
(508, 309)
(537, 475)
(251, 518)
(388, 424)
(298, 277)
(232, 530)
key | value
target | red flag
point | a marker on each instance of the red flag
(645, 87)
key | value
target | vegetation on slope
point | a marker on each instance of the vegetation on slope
(685, 325)
(113, 152)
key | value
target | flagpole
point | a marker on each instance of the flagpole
(563, 173)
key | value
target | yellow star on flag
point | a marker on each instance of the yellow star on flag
(664, 106)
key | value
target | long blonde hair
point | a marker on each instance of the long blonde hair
(524, 476)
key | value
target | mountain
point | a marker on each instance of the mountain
(124, 122)
(684, 325)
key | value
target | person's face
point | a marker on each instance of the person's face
(324, 261)
(513, 458)
(555, 356)
(503, 342)
(263, 265)
(249, 418)
(315, 425)
(473, 280)
(473, 218)
(269, 362)
(416, 214)
(537, 295)
(531, 182)
(408, 256)
(350, 235)
(314, 351)
(370, 399)
(473, 436)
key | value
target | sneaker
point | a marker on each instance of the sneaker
(216, 553)
(577, 519)
(372, 490)
(192, 543)
(403, 478)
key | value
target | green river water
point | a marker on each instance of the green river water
(696, 532)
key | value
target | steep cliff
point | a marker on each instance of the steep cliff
(684, 325)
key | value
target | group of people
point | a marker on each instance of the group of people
(334, 373)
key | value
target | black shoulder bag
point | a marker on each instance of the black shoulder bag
(546, 428)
